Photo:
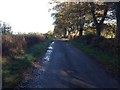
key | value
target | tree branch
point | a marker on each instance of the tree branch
(93, 12)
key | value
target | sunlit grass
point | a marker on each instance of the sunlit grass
(65, 38)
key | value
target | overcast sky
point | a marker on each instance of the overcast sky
(26, 15)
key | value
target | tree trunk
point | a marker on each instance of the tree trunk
(118, 19)
(98, 24)
(68, 34)
(80, 32)
(118, 29)
(98, 30)
(65, 32)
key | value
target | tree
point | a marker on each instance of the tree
(84, 13)
(5, 28)
(118, 19)
(70, 16)
(99, 12)
(62, 19)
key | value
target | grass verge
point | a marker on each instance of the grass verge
(107, 60)
(13, 68)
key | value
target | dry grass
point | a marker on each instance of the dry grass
(19, 52)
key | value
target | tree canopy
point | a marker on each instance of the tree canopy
(75, 17)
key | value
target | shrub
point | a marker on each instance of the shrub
(15, 44)
(95, 41)
(87, 38)
(111, 45)
(17, 56)
(104, 45)
(12, 44)
(114, 46)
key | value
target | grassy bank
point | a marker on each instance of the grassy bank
(106, 59)
(13, 68)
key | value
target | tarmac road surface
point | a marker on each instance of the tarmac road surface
(64, 66)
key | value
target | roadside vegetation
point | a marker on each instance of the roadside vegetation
(108, 57)
(19, 51)
(93, 27)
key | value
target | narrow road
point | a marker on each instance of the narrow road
(64, 66)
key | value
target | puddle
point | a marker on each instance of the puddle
(38, 71)
(50, 47)
(47, 58)
(48, 53)
(52, 43)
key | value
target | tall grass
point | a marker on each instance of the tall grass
(15, 44)
(19, 51)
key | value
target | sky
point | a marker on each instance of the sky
(26, 15)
